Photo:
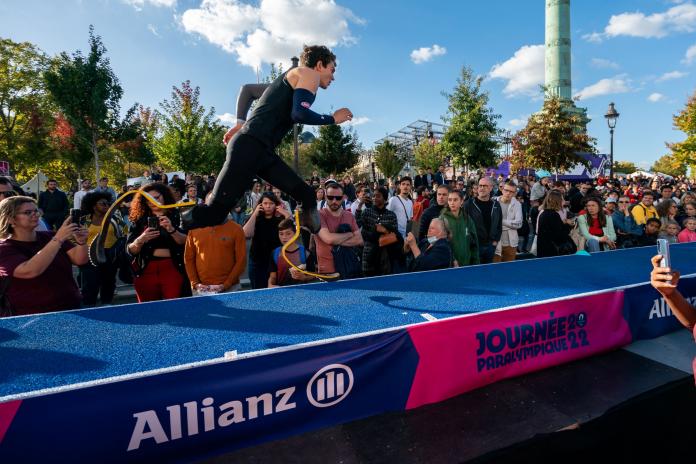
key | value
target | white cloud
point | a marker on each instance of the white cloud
(618, 84)
(655, 97)
(601, 63)
(671, 75)
(228, 118)
(524, 72)
(519, 122)
(690, 55)
(273, 31)
(139, 4)
(153, 29)
(680, 18)
(358, 121)
(425, 54)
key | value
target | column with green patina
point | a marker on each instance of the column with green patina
(557, 59)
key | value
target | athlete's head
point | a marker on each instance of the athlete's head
(322, 60)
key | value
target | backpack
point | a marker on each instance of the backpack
(346, 260)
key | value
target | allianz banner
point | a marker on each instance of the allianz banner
(648, 314)
(205, 410)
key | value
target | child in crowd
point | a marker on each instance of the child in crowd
(688, 234)
(669, 231)
(652, 231)
(281, 274)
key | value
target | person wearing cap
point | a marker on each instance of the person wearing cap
(539, 190)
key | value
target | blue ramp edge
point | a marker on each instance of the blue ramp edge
(58, 349)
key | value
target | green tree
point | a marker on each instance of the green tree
(685, 152)
(471, 135)
(334, 150)
(190, 139)
(552, 140)
(671, 165)
(388, 160)
(88, 94)
(627, 167)
(25, 110)
(429, 155)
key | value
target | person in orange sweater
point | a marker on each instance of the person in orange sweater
(215, 258)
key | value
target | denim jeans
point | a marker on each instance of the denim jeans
(486, 253)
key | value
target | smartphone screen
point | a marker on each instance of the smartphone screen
(153, 222)
(663, 249)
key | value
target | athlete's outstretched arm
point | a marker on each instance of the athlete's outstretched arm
(247, 94)
(303, 97)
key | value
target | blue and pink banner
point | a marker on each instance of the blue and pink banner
(205, 410)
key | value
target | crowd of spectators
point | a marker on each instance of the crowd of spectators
(367, 229)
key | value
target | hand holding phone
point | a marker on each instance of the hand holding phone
(153, 222)
(663, 250)
(75, 216)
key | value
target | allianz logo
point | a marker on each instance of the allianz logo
(661, 309)
(328, 387)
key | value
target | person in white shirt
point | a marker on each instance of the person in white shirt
(85, 188)
(402, 205)
(511, 209)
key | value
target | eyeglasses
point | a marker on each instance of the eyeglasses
(30, 212)
(334, 197)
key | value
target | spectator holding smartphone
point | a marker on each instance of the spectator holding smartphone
(38, 264)
(262, 229)
(665, 281)
(156, 246)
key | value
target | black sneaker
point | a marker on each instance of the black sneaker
(309, 218)
(202, 216)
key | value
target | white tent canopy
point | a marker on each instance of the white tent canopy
(37, 184)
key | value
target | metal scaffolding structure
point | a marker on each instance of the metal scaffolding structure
(407, 138)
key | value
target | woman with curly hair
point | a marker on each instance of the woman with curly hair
(100, 279)
(157, 252)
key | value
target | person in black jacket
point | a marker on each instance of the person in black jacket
(488, 217)
(434, 251)
(552, 233)
(54, 204)
(434, 209)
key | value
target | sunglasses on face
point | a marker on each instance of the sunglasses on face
(334, 197)
(30, 212)
(8, 193)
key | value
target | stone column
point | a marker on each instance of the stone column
(557, 59)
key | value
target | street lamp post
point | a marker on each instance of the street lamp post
(612, 115)
(295, 145)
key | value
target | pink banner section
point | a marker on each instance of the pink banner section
(7, 413)
(462, 354)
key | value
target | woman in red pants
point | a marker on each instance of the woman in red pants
(156, 246)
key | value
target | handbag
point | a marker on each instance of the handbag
(387, 239)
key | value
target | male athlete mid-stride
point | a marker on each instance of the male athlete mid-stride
(251, 151)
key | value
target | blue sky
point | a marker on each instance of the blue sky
(395, 58)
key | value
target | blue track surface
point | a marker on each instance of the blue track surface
(58, 349)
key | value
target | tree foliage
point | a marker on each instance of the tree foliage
(190, 139)
(25, 110)
(669, 164)
(470, 137)
(88, 94)
(334, 150)
(388, 160)
(552, 140)
(627, 167)
(685, 152)
(429, 155)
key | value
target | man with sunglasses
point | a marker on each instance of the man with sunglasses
(333, 217)
(488, 217)
(512, 218)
